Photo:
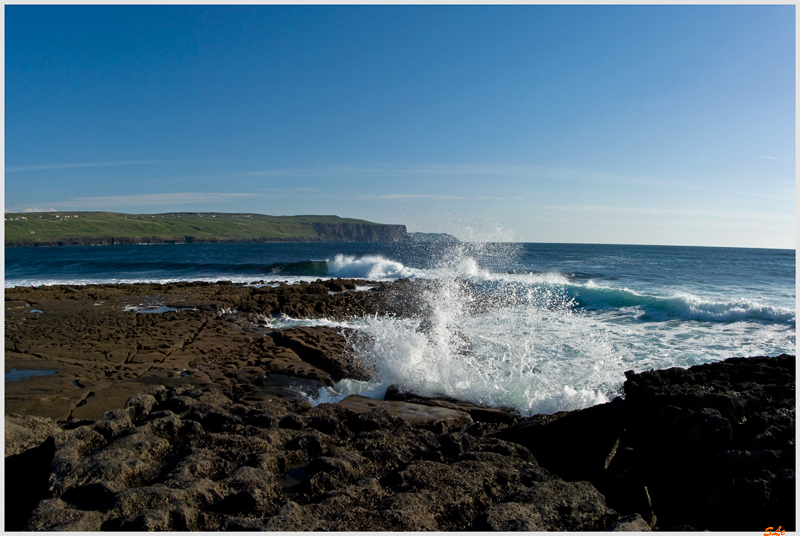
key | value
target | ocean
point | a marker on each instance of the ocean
(562, 325)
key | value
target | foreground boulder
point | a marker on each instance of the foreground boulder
(707, 448)
(715, 443)
(189, 459)
(711, 447)
(29, 449)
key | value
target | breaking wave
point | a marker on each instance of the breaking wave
(541, 342)
(373, 267)
(588, 296)
(681, 306)
(534, 327)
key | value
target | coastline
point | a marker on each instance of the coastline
(112, 228)
(203, 390)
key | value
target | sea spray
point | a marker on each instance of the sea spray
(372, 267)
(487, 340)
(545, 341)
(550, 326)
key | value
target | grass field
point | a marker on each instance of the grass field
(49, 227)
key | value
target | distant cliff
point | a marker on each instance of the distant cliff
(109, 228)
(360, 232)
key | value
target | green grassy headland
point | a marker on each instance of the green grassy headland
(77, 228)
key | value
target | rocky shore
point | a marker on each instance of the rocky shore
(177, 407)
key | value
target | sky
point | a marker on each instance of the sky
(670, 125)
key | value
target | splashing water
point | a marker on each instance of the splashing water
(542, 342)
(373, 267)
(489, 340)
(539, 327)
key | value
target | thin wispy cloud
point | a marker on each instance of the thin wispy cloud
(767, 157)
(410, 196)
(181, 198)
(526, 175)
(695, 214)
(434, 196)
(500, 198)
(456, 170)
(478, 177)
(40, 210)
(303, 189)
(72, 165)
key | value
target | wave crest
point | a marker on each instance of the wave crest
(681, 306)
(372, 267)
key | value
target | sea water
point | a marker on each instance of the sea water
(537, 327)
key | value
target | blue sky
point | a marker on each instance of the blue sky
(595, 124)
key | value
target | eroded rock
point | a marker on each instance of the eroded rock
(215, 431)
(184, 458)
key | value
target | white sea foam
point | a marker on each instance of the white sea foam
(546, 342)
(115, 280)
(282, 321)
(691, 307)
(551, 344)
(238, 279)
(372, 267)
(680, 305)
(502, 360)
(156, 309)
(536, 354)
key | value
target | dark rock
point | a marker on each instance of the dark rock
(227, 440)
(153, 520)
(633, 523)
(310, 444)
(114, 423)
(685, 448)
(360, 466)
(330, 419)
(249, 490)
(56, 515)
(140, 405)
(566, 505)
(508, 517)
(624, 495)
(690, 433)
(340, 285)
(24, 432)
(290, 517)
(477, 413)
(29, 450)
(552, 505)
(454, 445)
(323, 348)
(376, 414)
(292, 422)
(129, 461)
(678, 433)
(572, 444)
(94, 496)
(159, 393)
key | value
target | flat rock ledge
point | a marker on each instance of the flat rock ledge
(707, 448)
(89, 348)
